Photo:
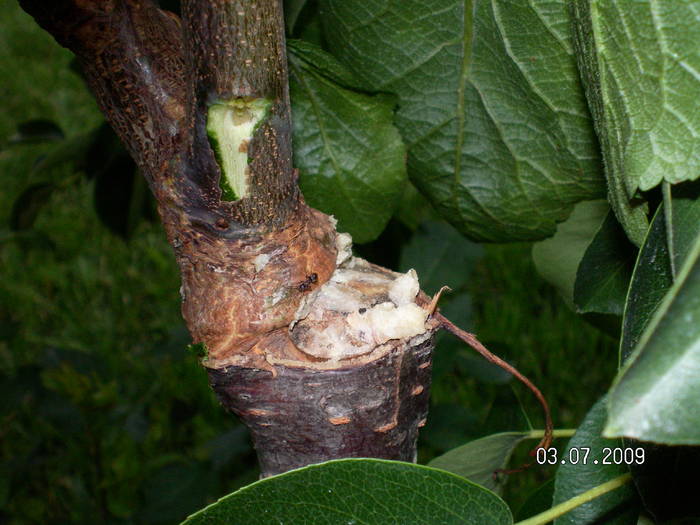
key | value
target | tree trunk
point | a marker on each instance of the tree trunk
(303, 415)
(321, 354)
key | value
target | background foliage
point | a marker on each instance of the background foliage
(105, 416)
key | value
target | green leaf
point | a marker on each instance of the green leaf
(642, 68)
(350, 156)
(316, 60)
(660, 480)
(656, 396)
(557, 259)
(440, 256)
(651, 280)
(490, 106)
(605, 271)
(640, 65)
(538, 501)
(478, 460)
(620, 507)
(363, 491)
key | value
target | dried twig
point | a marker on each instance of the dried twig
(472, 341)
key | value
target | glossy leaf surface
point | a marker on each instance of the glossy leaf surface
(372, 492)
(656, 396)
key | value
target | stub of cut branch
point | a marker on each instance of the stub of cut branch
(306, 415)
(348, 376)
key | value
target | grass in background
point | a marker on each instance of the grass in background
(106, 418)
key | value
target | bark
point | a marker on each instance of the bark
(311, 347)
(370, 410)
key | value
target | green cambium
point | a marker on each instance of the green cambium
(231, 125)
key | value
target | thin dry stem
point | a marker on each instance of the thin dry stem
(472, 341)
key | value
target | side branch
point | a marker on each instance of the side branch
(131, 54)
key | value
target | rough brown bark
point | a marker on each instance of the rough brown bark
(254, 270)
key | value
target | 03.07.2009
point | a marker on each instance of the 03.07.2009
(582, 456)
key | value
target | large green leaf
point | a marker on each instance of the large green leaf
(648, 71)
(641, 67)
(604, 273)
(489, 103)
(367, 491)
(656, 396)
(350, 156)
(620, 507)
(478, 460)
(557, 258)
(665, 248)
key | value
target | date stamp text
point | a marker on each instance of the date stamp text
(583, 456)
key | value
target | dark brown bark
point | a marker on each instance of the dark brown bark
(371, 410)
(248, 265)
(132, 56)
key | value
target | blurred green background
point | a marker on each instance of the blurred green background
(106, 418)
